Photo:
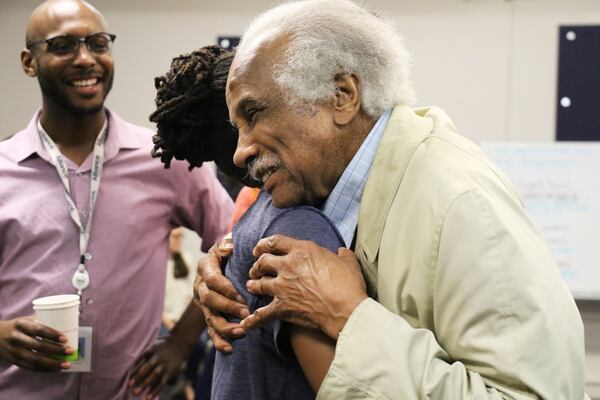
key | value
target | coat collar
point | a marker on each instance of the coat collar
(405, 131)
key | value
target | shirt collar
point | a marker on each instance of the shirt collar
(343, 204)
(28, 142)
(120, 136)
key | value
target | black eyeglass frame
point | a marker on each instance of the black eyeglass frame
(30, 43)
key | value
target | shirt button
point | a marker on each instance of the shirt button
(89, 301)
(85, 213)
(88, 256)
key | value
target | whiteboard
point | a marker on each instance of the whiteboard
(560, 187)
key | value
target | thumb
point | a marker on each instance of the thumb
(276, 244)
(346, 254)
(261, 316)
(224, 248)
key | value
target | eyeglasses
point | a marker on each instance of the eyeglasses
(66, 46)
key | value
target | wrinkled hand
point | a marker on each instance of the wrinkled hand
(156, 367)
(30, 345)
(310, 285)
(215, 295)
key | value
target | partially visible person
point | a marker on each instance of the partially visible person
(180, 278)
(466, 300)
(279, 360)
(192, 125)
(244, 200)
(85, 209)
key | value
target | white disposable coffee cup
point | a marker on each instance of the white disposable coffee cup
(60, 312)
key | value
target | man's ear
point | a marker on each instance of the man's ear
(347, 98)
(28, 63)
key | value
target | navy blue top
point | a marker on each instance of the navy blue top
(262, 365)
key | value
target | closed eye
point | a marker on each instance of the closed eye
(251, 115)
(249, 109)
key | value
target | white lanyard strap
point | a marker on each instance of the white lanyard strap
(58, 160)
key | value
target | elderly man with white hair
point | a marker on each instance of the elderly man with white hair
(462, 299)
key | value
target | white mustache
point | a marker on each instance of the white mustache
(262, 167)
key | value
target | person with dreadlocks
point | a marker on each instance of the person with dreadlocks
(277, 361)
(190, 99)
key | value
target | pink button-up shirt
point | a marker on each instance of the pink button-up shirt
(138, 204)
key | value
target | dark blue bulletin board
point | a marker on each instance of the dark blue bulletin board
(578, 94)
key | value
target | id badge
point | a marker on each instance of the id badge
(84, 362)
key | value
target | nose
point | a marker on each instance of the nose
(245, 151)
(84, 57)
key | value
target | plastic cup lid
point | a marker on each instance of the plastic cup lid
(58, 301)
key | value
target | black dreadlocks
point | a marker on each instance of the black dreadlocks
(191, 114)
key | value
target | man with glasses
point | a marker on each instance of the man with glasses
(85, 209)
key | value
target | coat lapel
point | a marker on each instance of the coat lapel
(405, 131)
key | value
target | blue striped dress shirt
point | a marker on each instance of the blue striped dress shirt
(343, 203)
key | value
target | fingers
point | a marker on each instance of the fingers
(267, 264)
(261, 316)
(220, 251)
(275, 310)
(195, 295)
(345, 252)
(34, 329)
(145, 373)
(221, 345)
(155, 368)
(219, 329)
(157, 387)
(27, 359)
(19, 338)
(348, 255)
(30, 345)
(135, 371)
(210, 263)
(217, 303)
(224, 248)
(276, 244)
(219, 284)
(265, 286)
(221, 326)
(35, 362)
(153, 379)
(210, 274)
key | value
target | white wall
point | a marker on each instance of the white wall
(492, 64)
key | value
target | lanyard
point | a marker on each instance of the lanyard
(81, 279)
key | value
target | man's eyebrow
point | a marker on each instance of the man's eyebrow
(248, 102)
(243, 105)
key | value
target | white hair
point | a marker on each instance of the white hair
(329, 37)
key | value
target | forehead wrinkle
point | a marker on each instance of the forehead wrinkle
(251, 76)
